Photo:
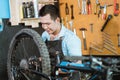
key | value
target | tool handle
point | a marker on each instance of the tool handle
(118, 40)
(72, 16)
(66, 9)
(89, 9)
(85, 43)
(116, 8)
(108, 19)
(95, 12)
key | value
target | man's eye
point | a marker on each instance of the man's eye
(44, 23)
(47, 23)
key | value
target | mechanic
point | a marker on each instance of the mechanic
(57, 37)
(54, 30)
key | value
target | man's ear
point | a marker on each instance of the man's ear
(57, 19)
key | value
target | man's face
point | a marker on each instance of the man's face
(48, 24)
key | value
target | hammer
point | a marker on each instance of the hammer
(84, 37)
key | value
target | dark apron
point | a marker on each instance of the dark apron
(53, 47)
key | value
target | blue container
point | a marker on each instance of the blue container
(4, 9)
(4, 12)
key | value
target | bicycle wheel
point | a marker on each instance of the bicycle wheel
(27, 52)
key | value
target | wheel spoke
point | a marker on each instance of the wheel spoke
(25, 45)
(25, 76)
(24, 49)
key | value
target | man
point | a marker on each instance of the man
(58, 38)
(54, 30)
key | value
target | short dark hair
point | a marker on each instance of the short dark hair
(49, 9)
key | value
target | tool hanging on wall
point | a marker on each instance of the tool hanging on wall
(72, 17)
(89, 7)
(110, 49)
(116, 8)
(67, 13)
(96, 47)
(108, 44)
(71, 21)
(118, 35)
(66, 9)
(84, 11)
(79, 6)
(107, 39)
(91, 27)
(84, 37)
(111, 46)
(104, 14)
(97, 7)
(99, 12)
(108, 19)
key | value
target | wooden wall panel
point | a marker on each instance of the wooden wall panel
(96, 37)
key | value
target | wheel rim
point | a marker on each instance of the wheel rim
(27, 45)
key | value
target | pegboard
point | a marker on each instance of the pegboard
(95, 39)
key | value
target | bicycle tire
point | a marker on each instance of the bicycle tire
(31, 40)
